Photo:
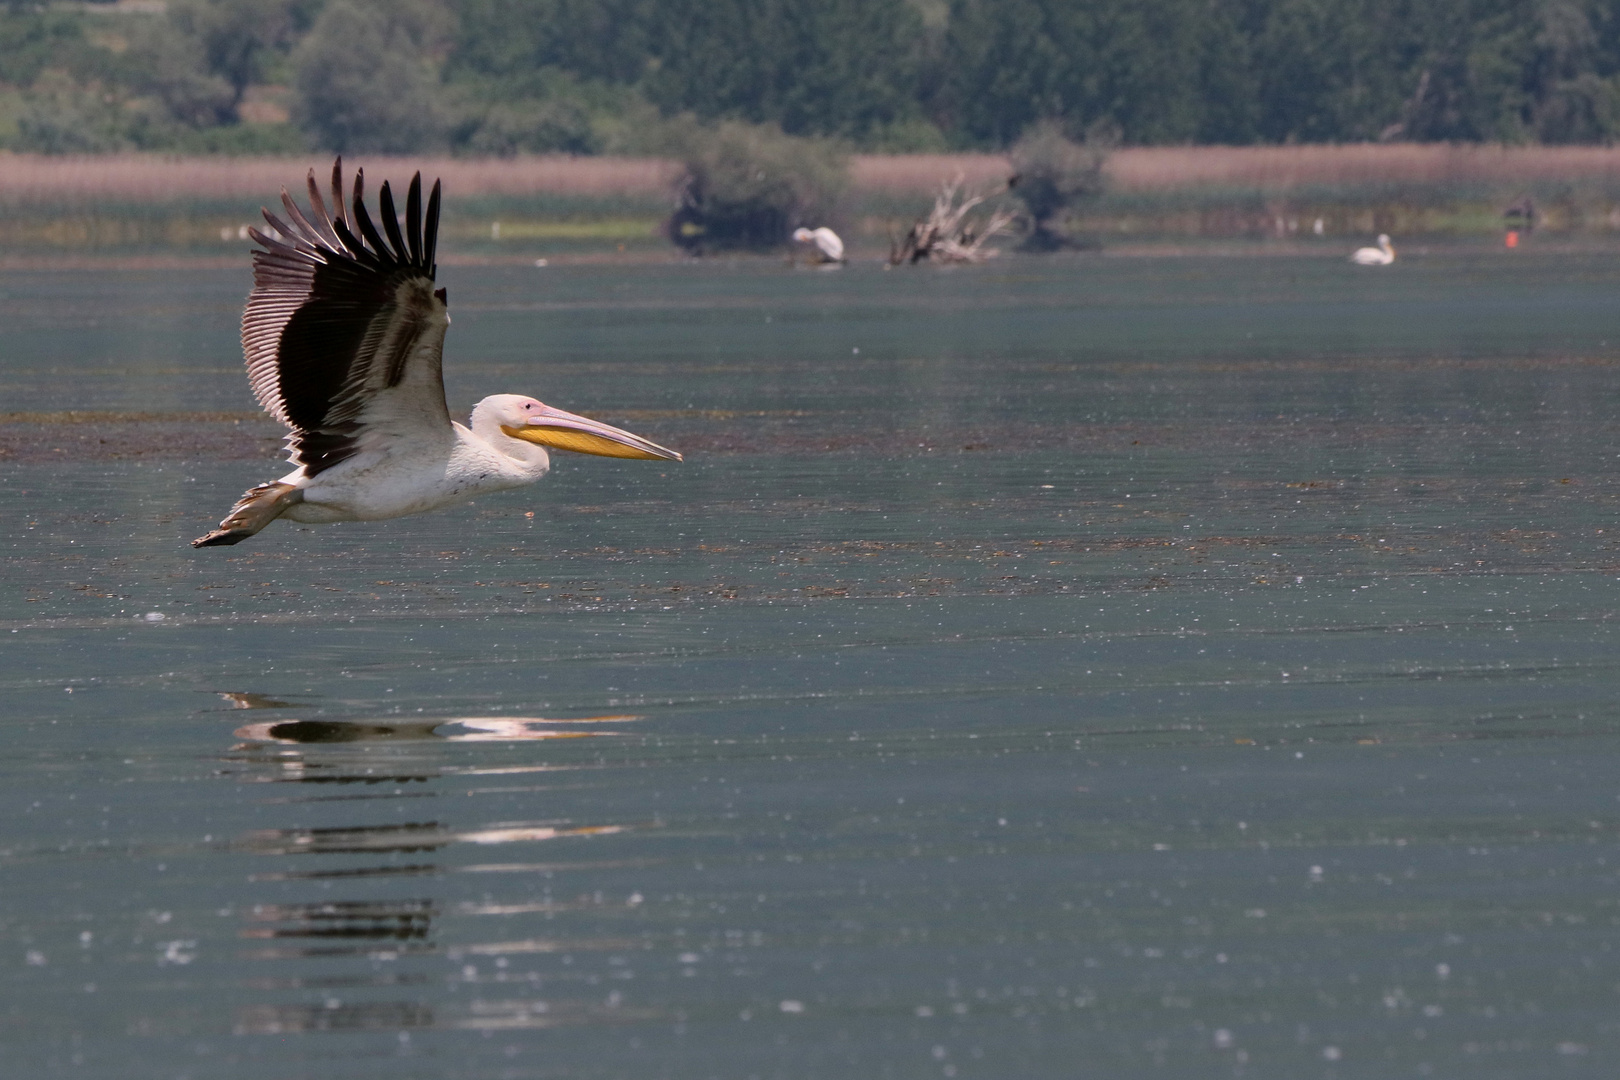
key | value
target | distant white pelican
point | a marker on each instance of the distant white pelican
(1382, 255)
(344, 337)
(829, 248)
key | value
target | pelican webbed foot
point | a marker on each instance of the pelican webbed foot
(258, 507)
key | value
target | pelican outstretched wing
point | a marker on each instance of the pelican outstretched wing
(343, 334)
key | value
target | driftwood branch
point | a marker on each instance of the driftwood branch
(947, 234)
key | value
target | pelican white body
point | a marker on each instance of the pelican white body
(828, 245)
(407, 476)
(1382, 255)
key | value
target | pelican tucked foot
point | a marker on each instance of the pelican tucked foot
(253, 511)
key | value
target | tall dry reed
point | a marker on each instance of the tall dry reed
(143, 178)
(913, 174)
(1280, 168)
(26, 178)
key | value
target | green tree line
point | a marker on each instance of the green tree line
(584, 76)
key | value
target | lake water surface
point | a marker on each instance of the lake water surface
(1095, 667)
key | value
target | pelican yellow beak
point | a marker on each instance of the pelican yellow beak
(566, 431)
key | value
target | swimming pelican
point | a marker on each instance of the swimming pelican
(829, 248)
(344, 337)
(1382, 255)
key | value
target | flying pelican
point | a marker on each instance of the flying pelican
(829, 248)
(1382, 255)
(344, 337)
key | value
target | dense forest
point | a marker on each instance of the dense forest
(593, 76)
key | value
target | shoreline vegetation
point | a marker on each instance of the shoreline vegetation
(594, 207)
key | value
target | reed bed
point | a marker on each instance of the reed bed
(1283, 168)
(150, 178)
(1199, 175)
(134, 203)
(922, 174)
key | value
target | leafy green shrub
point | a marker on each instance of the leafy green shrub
(1053, 175)
(748, 186)
(548, 111)
(368, 76)
(556, 125)
(60, 117)
(242, 42)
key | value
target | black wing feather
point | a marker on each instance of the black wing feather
(355, 247)
(390, 220)
(362, 217)
(413, 217)
(430, 232)
(340, 213)
(334, 319)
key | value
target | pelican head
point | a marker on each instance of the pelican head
(531, 421)
(1383, 240)
(803, 235)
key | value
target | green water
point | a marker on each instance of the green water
(1090, 667)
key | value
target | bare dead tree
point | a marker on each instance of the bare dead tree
(947, 234)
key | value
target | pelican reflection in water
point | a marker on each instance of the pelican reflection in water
(448, 729)
(357, 904)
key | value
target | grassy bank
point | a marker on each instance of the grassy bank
(524, 206)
